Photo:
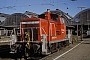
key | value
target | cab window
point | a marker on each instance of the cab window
(54, 17)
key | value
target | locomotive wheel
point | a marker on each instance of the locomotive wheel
(68, 43)
(26, 52)
(29, 52)
(59, 46)
(53, 48)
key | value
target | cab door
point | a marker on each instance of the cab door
(53, 29)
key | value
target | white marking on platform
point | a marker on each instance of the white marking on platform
(67, 51)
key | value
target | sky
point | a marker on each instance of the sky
(40, 6)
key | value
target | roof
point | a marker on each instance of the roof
(14, 19)
(83, 17)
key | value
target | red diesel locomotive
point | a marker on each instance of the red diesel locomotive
(43, 35)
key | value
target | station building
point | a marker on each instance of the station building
(81, 22)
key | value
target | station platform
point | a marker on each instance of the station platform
(80, 51)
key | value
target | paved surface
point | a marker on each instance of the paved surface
(80, 52)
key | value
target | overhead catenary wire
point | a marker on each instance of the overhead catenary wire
(51, 3)
(12, 7)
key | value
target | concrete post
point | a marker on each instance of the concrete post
(69, 36)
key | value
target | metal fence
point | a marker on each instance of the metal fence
(5, 35)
